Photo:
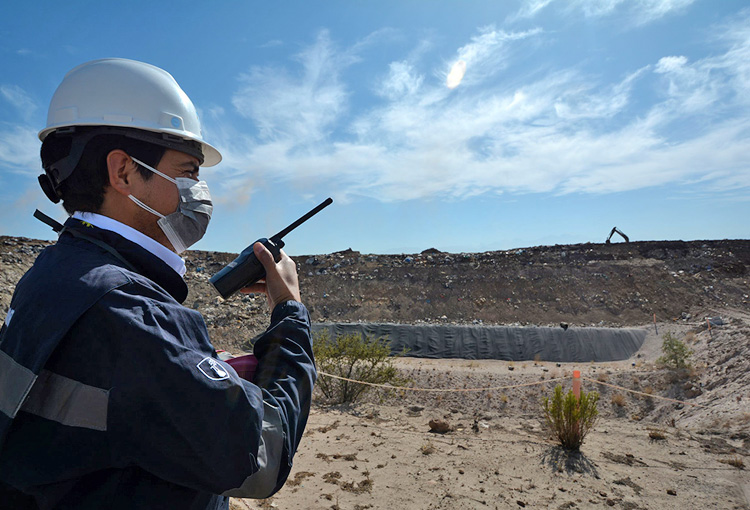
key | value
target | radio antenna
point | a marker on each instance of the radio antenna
(303, 219)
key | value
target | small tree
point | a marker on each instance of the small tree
(353, 357)
(571, 419)
(676, 353)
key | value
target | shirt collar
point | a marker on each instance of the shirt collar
(104, 222)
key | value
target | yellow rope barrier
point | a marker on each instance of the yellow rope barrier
(644, 394)
(445, 390)
(507, 387)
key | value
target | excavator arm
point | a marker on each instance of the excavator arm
(615, 229)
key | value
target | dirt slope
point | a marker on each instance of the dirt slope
(615, 284)
(584, 284)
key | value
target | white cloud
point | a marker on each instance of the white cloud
(651, 10)
(19, 99)
(301, 107)
(638, 12)
(736, 61)
(670, 64)
(583, 102)
(402, 80)
(561, 132)
(456, 74)
(19, 149)
(273, 43)
(487, 53)
(715, 85)
(531, 8)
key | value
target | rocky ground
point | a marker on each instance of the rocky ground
(644, 453)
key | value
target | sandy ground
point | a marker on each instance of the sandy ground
(382, 455)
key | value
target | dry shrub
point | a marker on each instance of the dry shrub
(570, 419)
(427, 448)
(299, 478)
(735, 461)
(618, 399)
(657, 434)
(327, 428)
(333, 477)
(361, 487)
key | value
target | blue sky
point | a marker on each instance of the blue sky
(570, 117)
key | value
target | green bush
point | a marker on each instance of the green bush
(353, 357)
(569, 419)
(676, 353)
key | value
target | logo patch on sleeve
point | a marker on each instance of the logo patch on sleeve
(212, 369)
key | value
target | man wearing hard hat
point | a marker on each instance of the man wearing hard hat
(111, 394)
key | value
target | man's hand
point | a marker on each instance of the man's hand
(281, 283)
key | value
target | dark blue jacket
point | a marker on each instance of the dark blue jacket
(112, 396)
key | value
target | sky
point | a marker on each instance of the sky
(465, 126)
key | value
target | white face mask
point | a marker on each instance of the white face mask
(187, 225)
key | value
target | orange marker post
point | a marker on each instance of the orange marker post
(710, 333)
(577, 384)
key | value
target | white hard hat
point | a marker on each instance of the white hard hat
(129, 94)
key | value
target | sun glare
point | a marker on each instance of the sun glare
(456, 75)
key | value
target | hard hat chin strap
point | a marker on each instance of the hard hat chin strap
(61, 169)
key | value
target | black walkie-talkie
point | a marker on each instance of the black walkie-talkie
(246, 269)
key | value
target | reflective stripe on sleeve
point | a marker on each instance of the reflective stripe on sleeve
(261, 484)
(15, 382)
(67, 401)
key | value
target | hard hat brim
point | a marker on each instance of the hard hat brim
(211, 155)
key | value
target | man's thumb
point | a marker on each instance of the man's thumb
(264, 256)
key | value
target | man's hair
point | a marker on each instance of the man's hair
(84, 189)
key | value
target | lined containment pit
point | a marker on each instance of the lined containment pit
(499, 342)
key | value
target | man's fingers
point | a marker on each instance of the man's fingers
(255, 288)
(264, 256)
(281, 282)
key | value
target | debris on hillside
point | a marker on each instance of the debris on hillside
(578, 285)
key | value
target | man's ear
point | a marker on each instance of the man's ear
(121, 169)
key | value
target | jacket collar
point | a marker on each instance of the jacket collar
(144, 262)
(171, 258)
